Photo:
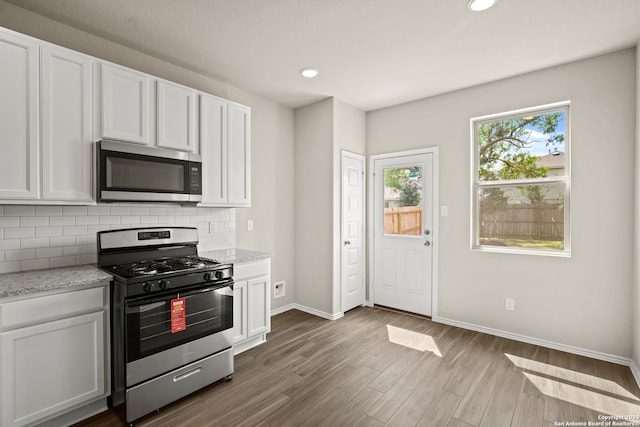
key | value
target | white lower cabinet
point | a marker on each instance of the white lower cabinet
(251, 304)
(48, 367)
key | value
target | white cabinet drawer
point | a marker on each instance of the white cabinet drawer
(40, 309)
(251, 269)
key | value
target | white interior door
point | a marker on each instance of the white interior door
(403, 231)
(353, 244)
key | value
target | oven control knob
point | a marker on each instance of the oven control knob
(207, 276)
(164, 284)
(219, 275)
(147, 287)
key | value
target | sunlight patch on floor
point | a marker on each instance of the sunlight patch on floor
(589, 391)
(568, 375)
(599, 402)
(413, 340)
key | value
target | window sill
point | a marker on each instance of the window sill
(510, 250)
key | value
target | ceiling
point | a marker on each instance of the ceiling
(370, 53)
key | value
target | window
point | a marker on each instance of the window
(521, 181)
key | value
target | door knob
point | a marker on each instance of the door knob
(346, 242)
(427, 243)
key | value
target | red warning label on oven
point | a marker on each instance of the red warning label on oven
(178, 315)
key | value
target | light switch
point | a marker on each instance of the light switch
(444, 210)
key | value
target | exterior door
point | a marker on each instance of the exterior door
(403, 231)
(353, 244)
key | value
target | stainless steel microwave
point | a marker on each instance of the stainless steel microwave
(131, 173)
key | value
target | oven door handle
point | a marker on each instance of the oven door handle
(187, 374)
(147, 299)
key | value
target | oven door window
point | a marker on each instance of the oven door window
(148, 321)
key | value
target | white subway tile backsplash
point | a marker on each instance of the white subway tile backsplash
(131, 219)
(48, 252)
(74, 210)
(34, 221)
(139, 211)
(48, 210)
(34, 237)
(9, 266)
(38, 242)
(92, 229)
(19, 233)
(74, 230)
(109, 219)
(48, 231)
(35, 264)
(19, 254)
(10, 221)
(87, 220)
(86, 259)
(73, 250)
(62, 241)
(64, 261)
(19, 211)
(9, 244)
(89, 239)
(55, 221)
(119, 211)
(98, 210)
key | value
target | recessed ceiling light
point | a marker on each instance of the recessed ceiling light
(309, 72)
(479, 5)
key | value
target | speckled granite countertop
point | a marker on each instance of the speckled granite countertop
(31, 282)
(235, 256)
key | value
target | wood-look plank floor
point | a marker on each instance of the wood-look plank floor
(375, 367)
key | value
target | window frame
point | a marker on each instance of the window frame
(477, 184)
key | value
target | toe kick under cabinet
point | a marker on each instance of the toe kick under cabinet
(251, 304)
(52, 355)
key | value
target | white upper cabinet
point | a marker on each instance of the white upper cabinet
(213, 141)
(18, 117)
(225, 141)
(239, 163)
(66, 124)
(125, 105)
(176, 117)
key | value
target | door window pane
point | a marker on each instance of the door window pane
(403, 200)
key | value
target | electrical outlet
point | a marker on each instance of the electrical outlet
(510, 304)
(249, 225)
(279, 289)
(444, 210)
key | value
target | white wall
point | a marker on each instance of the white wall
(349, 134)
(585, 300)
(272, 135)
(313, 205)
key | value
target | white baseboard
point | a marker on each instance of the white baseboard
(309, 310)
(537, 341)
(282, 309)
(635, 371)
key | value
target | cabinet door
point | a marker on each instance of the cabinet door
(66, 124)
(258, 306)
(125, 105)
(18, 117)
(51, 367)
(213, 147)
(176, 117)
(239, 311)
(239, 158)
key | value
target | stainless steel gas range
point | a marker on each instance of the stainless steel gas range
(171, 317)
